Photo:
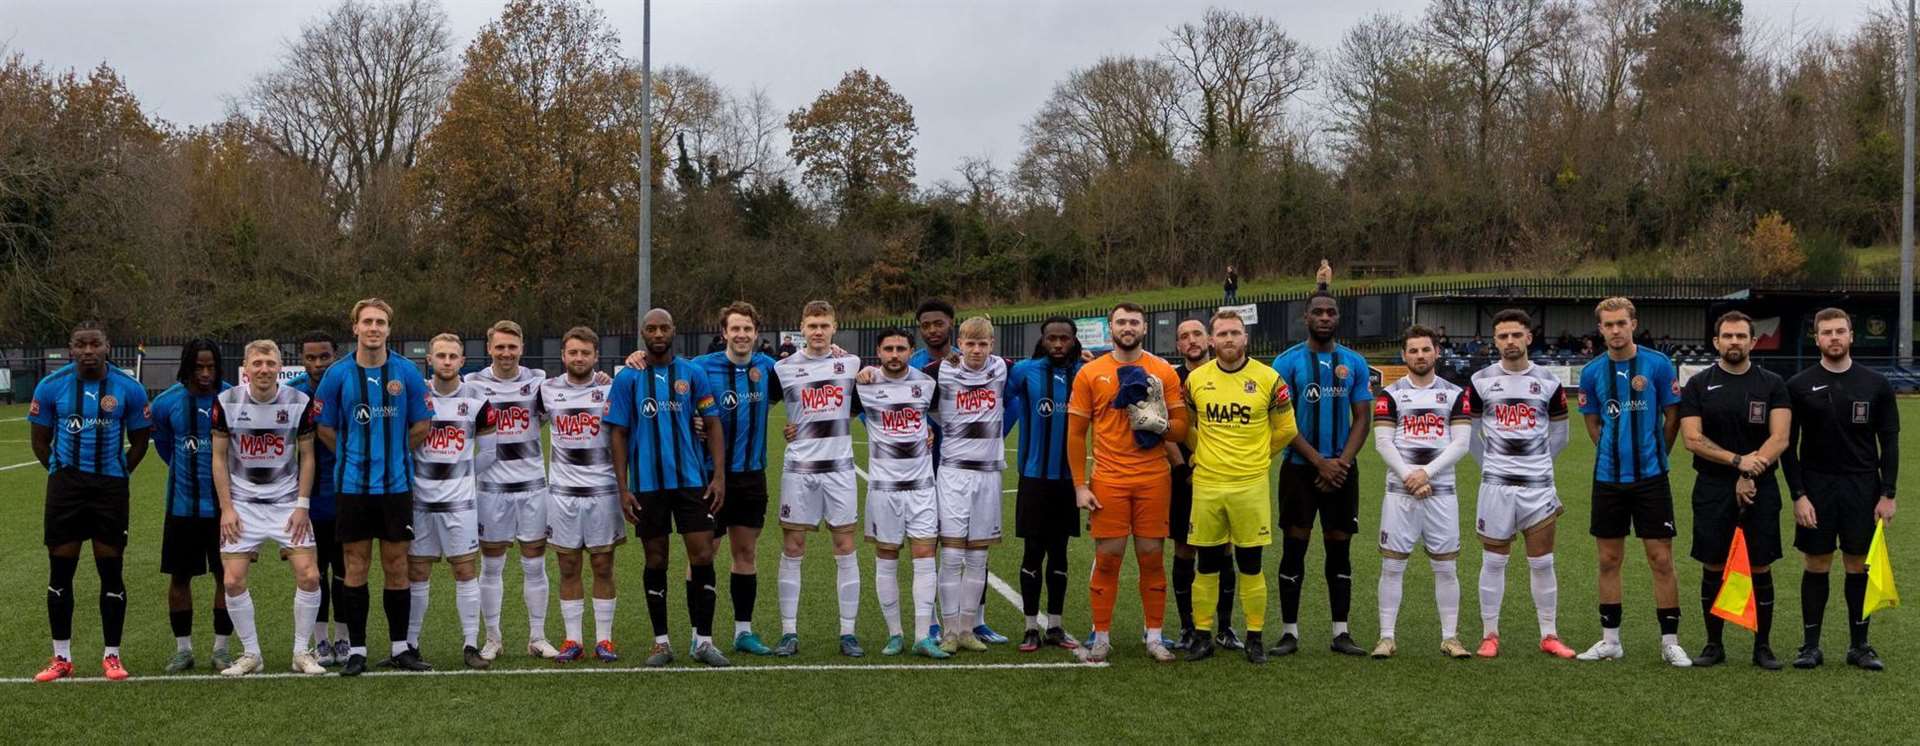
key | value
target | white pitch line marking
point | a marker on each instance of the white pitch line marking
(202, 678)
(17, 466)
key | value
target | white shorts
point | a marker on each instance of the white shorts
(591, 522)
(437, 532)
(1433, 523)
(1507, 510)
(969, 506)
(808, 499)
(893, 517)
(261, 523)
(507, 517)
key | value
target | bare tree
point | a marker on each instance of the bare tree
(1360, 78)
(1496, 43)
(1101, 116)
(356, 91)
(1242, 69)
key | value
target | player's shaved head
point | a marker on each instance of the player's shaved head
(656, 329)
(657, 315)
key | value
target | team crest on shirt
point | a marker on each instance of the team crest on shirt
(1532, 388)
(1859, 413)
(839, 368)
(753, 375)
(280, 417)
(462, 409)
(33, 409)
(108, 403)
(1380, 406)
(526, 388)
(1639, 383)
(1340, 371)
(1250, 387)
(1440, 396)
(680, 387)
(1756, 412)
(394, 388)
(596, 396)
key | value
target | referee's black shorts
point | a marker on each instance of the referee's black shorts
(86, 507)
(1842, 510)
(1716, 512)
(1045, 509)
(1301, 500)
(386, 517)
(1644, 507)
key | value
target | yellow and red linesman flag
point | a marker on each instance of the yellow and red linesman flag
(1880, 591)
(1735, 602)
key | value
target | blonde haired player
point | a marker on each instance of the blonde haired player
(970, 407)
(446, 521)
(1242, 415)
(263, 456)
(816, 483)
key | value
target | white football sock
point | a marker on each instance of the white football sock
(1493, 588)
(789, 594)
(533, 590)
(63, 649)
(220, 643)
(953, 571)
(603, 619)
(571, 613)
(492, 586)
(1546, 593)
(306, 609)
(1393, 572)
(421, 591)
(1446, 596)
(466, 601)
(925, 578)
(975, 584)
(847, 572)
(886, 587)
(240, 608)
(183, 644)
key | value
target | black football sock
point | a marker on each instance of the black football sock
(1669, 620)
(60, 572)
(654, 579)
(1183, 572)
(1339, 577)
(701, 593)
(1763, 608)
(356, 602)
(1293, 565)
(1223, 611)
(113, 599)
(1057, 576)
(222, 622)
(1813, 604)
(181, 620)
(743, 587)
(1610, 616)
(397, 603)
(1855, 589)
(1033, 557)
(1710, 590)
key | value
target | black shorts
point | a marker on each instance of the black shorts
(366, 517)
(1045, 509)
(746, 503)
(190, 546)
(1300, 500)
(326, 547)
(1716, 512)
(1645, 506)
(1843, 511)
(1180, 510)
(663, 511)
(86, 507)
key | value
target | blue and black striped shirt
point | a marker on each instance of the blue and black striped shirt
(182, 432)
(90, 418)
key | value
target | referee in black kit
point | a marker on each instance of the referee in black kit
(1841, 465)
(1734, 418)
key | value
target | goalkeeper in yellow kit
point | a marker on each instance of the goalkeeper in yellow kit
(1242, 415)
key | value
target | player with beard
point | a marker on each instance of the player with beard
(1320, 477)
(1735, 418)
(190, 540)
(902, 507)
(583, 494)
(1196, 348)
(1132, 403)
(1039, 390)
(1842, 463)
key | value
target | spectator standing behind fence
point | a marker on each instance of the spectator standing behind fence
(1233, 284)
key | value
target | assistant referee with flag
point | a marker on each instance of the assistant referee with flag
(1734, 418)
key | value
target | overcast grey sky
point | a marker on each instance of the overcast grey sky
(974, 71)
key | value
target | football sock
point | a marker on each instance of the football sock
(222, 627)
(492, 587)
(953, 572)
(976, 586)
(1205, 592)
(1101, 589)
(60, 600)
(743, 588)
(603, 609)
(466, 601)
(1763, 608)
(571, 612)
(1610, 615)
(1392, 572)
(1153, 586)
(326, 601)
(1184, 570)
(1446, 596)
(354, 605)
(241, 607)
(1253, 599)
(533, 590)
(924, 582)
(1855, 589)
(181, 622)
(1057, 577)
(847, 577)
(306, 610)
(705, 598)
(397, 604)
(654, 580)
(419, 592)
(886, 587)
(1032, 560)
(1493, 588)
(980, 605)
(1339, 574)
(1710, 590)
(1546, 593)
(1813, 604)
(113, 599)
(1223, 608)
(1669, 625)
(1293, 567)
(789, 594)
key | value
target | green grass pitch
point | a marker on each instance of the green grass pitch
(1314, 696)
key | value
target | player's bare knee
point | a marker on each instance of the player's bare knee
(1143, 545)
(1443, 556)
(1817, 563)
(1335, 535)
(307, 578)
(465, 571)
(419, 570)
(1390, 554)
(887, 554)
(533, 549)
(1299, 532)
(1855, 563)
(65, 551)
(1499, 547)
(1248, 559)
